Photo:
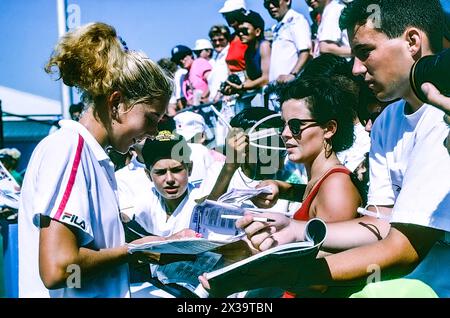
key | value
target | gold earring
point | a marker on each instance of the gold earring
(328, 148)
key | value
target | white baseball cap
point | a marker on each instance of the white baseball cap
(202, 44)
(188, 124)
(233, 5)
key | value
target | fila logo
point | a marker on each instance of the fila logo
(74, 219)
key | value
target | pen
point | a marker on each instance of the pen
(235, 217)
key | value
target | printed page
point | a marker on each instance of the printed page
(206, 219)
(186, 273)
(190, 246)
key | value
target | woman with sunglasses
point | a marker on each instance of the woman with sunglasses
(317, 112)
(71, 240)
(319, 123)
(250, 157)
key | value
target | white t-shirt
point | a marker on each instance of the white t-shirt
(150, 212)
(352, 157)
(290, 36)
(393, 138)
(411, 167)
(329, 29)
(70, 178)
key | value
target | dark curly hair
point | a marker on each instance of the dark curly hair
(328, 99)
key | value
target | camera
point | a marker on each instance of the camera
(225, 88)
(433, 69)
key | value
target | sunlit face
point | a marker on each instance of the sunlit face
(277, 9)
(219, 42)
(306, 146)
(383, 63)
(170, 178)
(136, 124)
(247, 33)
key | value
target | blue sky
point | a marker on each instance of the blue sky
(29, 31)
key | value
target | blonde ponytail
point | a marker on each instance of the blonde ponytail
(92, 59)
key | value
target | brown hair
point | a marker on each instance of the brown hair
(220, 29)
(92, 59)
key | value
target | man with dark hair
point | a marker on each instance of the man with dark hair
(410, 166)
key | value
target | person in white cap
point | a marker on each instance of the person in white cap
(203, 48)
(231, 11)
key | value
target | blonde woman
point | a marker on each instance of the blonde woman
(71, 240)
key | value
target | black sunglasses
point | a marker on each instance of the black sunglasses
(295, 125)
(267, 3)
(243, 31)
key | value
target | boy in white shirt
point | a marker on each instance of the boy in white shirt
(168, 205)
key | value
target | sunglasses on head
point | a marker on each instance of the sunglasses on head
(267, 3)
(243, 31)
(295, 125)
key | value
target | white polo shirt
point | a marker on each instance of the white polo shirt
(150, 212)
(70, 178)
(291, 36)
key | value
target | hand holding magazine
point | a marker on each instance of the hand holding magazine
(262, 269)
(212, 219)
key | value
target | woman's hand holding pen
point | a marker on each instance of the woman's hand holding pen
(264, 235)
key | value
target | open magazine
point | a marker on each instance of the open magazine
(217, 232)
(208, 217)
(261, 262)
(192, 246)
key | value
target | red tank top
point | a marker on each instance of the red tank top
(302, 214)
(235, 57)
